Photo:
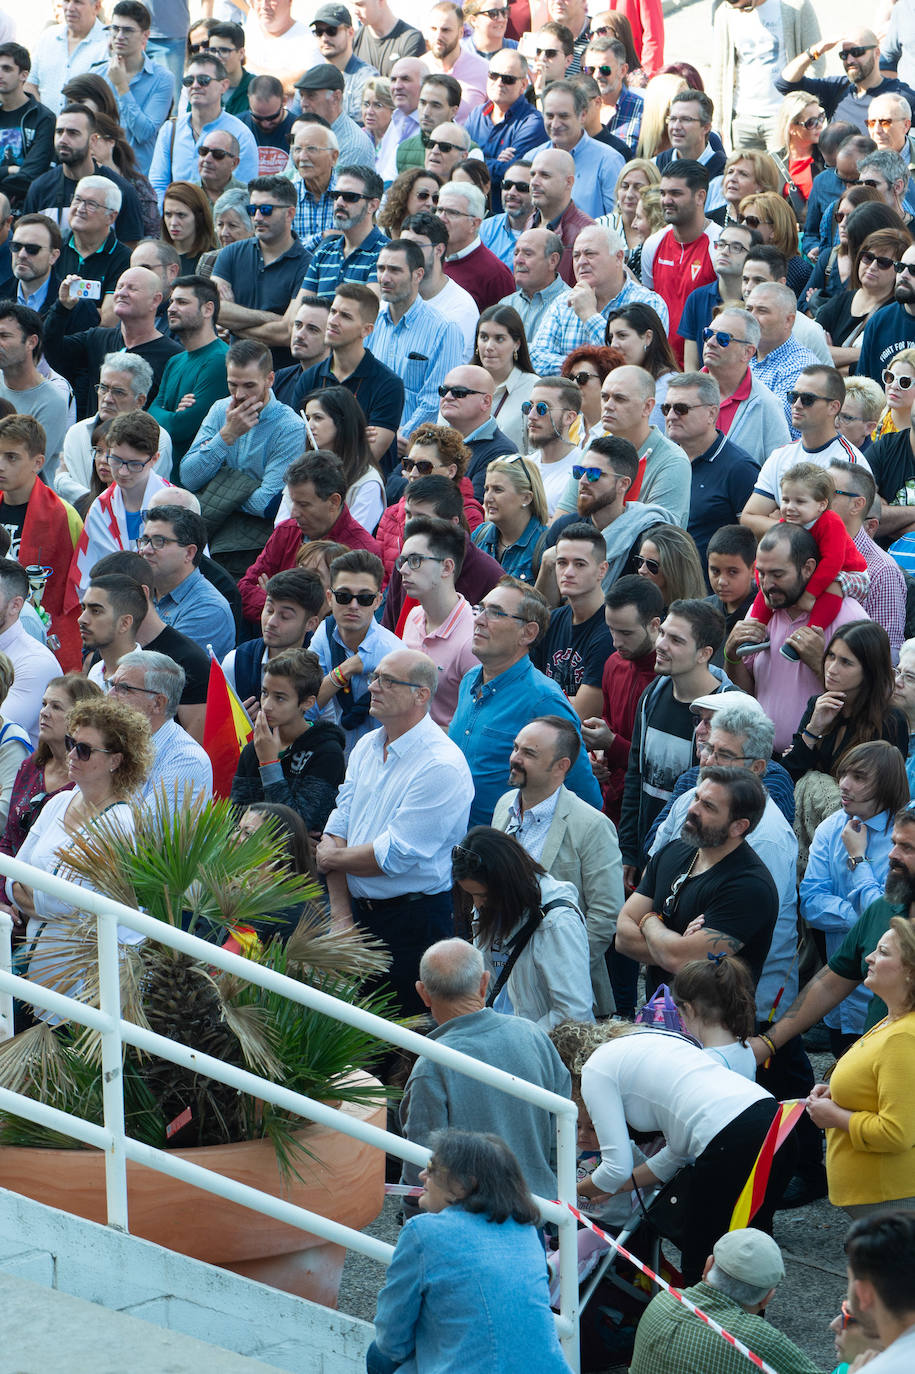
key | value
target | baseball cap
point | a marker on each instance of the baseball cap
(751, 1256)
(323, 77)
(333, 14)
(715, 700)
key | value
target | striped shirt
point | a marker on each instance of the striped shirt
(421, 348)
(328, 266)
(560, 331)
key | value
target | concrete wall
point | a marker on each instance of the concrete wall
(139, 1279)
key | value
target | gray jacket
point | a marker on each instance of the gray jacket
(759, 425)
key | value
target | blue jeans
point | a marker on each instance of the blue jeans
(170, 53)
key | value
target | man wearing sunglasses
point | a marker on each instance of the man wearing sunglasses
(621, 112)
(500, 233)
(750, 413)
(351, 253)
(507, 126)
(466, 405)
(597, 166)
(175, 157)
(270, 123)
(849, 96)
(217, 160)
(891, 328)
(332, 26)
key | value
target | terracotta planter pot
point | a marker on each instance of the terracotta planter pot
(347, 1185)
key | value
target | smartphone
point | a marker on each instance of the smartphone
(84, 289)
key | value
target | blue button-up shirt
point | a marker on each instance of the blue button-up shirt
(265, 451)
(516, 560)
(179, 763)
(328, 266)
(533, 308)
(421, 348)
(313, 214)
(489, 716)
(561, 330)
(833, 896)
(597, 168)
(521, 129)
(178, 161)
(499, 237)
(780, 369)
(377, 643)
(199, 611)
(144, 106)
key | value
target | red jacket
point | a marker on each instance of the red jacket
(280, 553)
(391, 525)
(647, 22)
(623, 682)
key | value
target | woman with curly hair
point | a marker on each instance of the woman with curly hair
(187, 223)
(414, 190)
(501, 348)
(433, 451)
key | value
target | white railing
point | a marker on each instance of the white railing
(115, 1033)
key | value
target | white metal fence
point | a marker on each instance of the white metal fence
(115, 1033)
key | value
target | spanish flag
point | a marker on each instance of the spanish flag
(754, 1190)
(226, 729)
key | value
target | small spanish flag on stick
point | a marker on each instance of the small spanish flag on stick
(754, 1190)
(227, 728)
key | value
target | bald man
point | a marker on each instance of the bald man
(552, 180)
(471, 415)
(79, 353)
(448, 145)
(845, 97)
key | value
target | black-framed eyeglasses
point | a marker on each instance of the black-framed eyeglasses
(505, 77)
(684, 119)
(129, 464)
(508, 185)
(155, 541)
(117, 688)
(217, 154)
(847, 53)
(905, 267)
(868, 259)
(343, 597)
(806, 398)
(82, 750)
(583, 378)
(197, 79)
(414, 561)
(679, 407)
(901, 381)
(592, 474)
(460, 392)
(33, 249)
(385, 680)
(651, 564)
(724, 756)
(349, 197)
(222, 53)
(483, 612)
(722, 338)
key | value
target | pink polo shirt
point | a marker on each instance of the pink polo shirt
(449, 649)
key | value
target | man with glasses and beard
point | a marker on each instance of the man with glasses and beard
(351, 252)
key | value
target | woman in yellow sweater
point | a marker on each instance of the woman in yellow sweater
(868, 1108)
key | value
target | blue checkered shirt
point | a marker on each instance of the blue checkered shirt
(312, 216)
(627, 119)
(779, 370)
(560, 330)
(328, 267)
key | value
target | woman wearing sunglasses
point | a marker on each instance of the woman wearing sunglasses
(832, 270)
(109, 753)
(515, 507)
(899, 390)
(870, 287)
(668, 557)
(588, 366)
(187, 223)
(800, 122)
(776, 223)
(501, 347)
(413, 191)
(434, 451)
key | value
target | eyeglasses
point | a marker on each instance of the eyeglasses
(310, 149)
(444, 147)
(414, 561)
(119, 393)
(344, 597)
(806, 398)
(322, 30)
(118, 688)
(684, 119)
(128, 464)
(905, 267)
(196, 79)
(722, 338)
(538, 407)
(33, 249)
(87, 204)
(222, 52)
(83, 751)
(592, 474)
(583, 378)
(752, 221)
(446, 212)
(460, 392)
(424, 466)
(847, 419)
(604, 71)
(899, 378)
(265, 210)
(883, 124)
(651, 564)
(154, 541)
(522, 186)
(907, 679)
(846, 53)
(723, 756)
(220, 154)
(349, 197)
(732, 246)
(385, 679)
(679, 407)
(846, 1315)
(491, 14)
(123, 30)
(548, 53)
(484, 612)
(505, 77)
(433, 195)
(813, 123)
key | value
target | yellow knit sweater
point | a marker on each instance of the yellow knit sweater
(874, 1160)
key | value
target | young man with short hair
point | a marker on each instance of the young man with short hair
(227, 42)
(440, 97)
(294, 607)
(144, 89)
(676, 260)
(21, 383)
(441, 623)
(113, 609)
(26, 125)
(172, 542)
(577, 643)
(350, 643)
(195, 379)
(45, 528)
(290, 760)
(52, 192)
(437, 288)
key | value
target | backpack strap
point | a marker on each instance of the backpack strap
(521, 940)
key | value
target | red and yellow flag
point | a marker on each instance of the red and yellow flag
(226, 729)
(754, 1190)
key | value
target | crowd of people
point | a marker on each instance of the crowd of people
(527, 431)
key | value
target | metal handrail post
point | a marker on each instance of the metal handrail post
(109, 969)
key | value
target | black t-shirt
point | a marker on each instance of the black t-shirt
(893, 465)
(13, 518)
(79, 355)
(836, 317)
(382, 53)
(51, 193)
(574, 655)
(192, 659)
(737, 898)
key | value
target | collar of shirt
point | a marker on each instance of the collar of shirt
(36, 299)
(447, 627)
(547, 293)
(183, 589)
(107, 248)
(465, 252)
(708, 152)
(712, 452)
(502, 680)
(541, 814)
(484, 431)
(408, 318)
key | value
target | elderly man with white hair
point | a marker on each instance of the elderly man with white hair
(92, 249)
(779, 357)
(461, 208)
(602, 284)
(152, 684)
(125, 381)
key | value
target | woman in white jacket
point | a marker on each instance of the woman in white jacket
(528, 928)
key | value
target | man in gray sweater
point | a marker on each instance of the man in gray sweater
(453, 985)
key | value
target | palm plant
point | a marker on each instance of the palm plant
(190, 868)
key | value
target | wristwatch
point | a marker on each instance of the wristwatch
(859, 859)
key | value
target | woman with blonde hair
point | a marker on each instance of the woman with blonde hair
(659, 92)
(634, 177)
(800, 122)
(515, 507)
(861, 409)
(377, 109)
(899, 390)
(776, 223)
(14, 741)
(668, 557)
(748, 172)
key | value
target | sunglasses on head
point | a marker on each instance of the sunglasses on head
(722, 338)
(197, 79)
(806, 398)
(83, 751)
(459, 392)
(592, 474)
(505, 77)
(344, 597)
(901, 381)
(868, 258)
(522, 186)
(651, 564)
(424, 466)
(847, 53)
(220, 154)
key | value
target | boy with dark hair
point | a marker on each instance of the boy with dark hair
(577, 642)
(290, 760)
(294, 607)
(144, 89)
(44, 529)
(27, 127)
(731, 556)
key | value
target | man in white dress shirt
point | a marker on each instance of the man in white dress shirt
(386, 848)
(33, 664)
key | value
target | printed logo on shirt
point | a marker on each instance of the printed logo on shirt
(299, 762)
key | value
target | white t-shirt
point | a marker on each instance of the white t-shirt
(457, 304)
(740, 1058)
(760, 46)
(768, 483)
(555, 475)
